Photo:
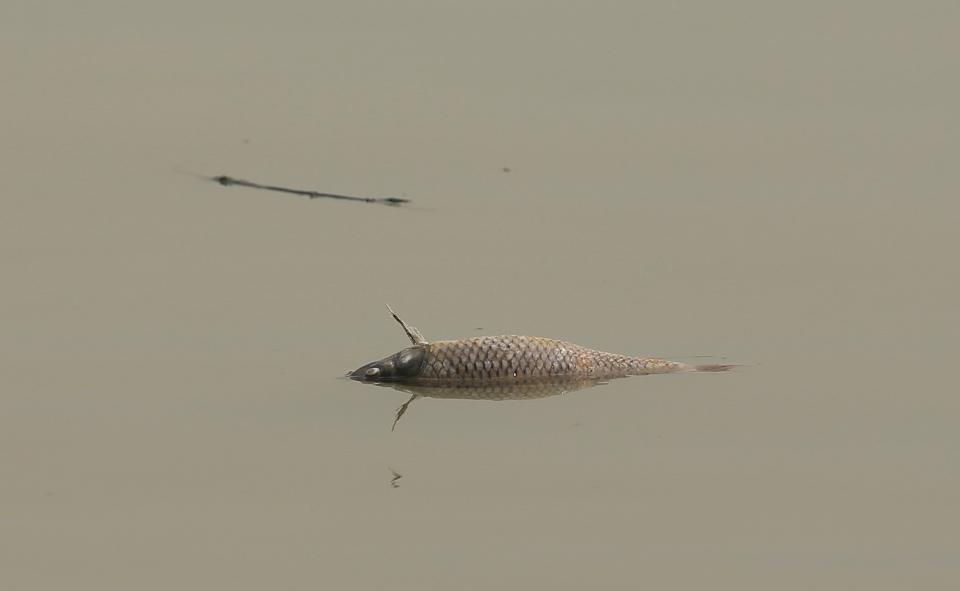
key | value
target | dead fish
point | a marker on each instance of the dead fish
(506, 367)
(496, 360)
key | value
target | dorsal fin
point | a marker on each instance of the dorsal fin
(416, 337)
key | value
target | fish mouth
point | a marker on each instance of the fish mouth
(366, 373)
(376, 372)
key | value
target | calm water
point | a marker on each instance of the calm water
(773, 186)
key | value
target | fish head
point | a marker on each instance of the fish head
(402, 365)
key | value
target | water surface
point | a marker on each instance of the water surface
(776, 186)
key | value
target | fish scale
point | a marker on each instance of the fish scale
(481, 359)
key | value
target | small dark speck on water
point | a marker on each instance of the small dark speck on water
(396, 476)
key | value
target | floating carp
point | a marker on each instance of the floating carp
(505, 367)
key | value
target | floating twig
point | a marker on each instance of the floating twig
(228, 181)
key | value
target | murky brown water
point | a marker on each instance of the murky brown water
(777, 186)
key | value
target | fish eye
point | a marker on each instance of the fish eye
(372, 372)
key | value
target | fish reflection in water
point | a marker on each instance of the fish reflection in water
(510, 389)
(504, 368)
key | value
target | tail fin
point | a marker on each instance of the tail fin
(714, 367)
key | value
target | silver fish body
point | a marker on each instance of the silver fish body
(497, 360)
